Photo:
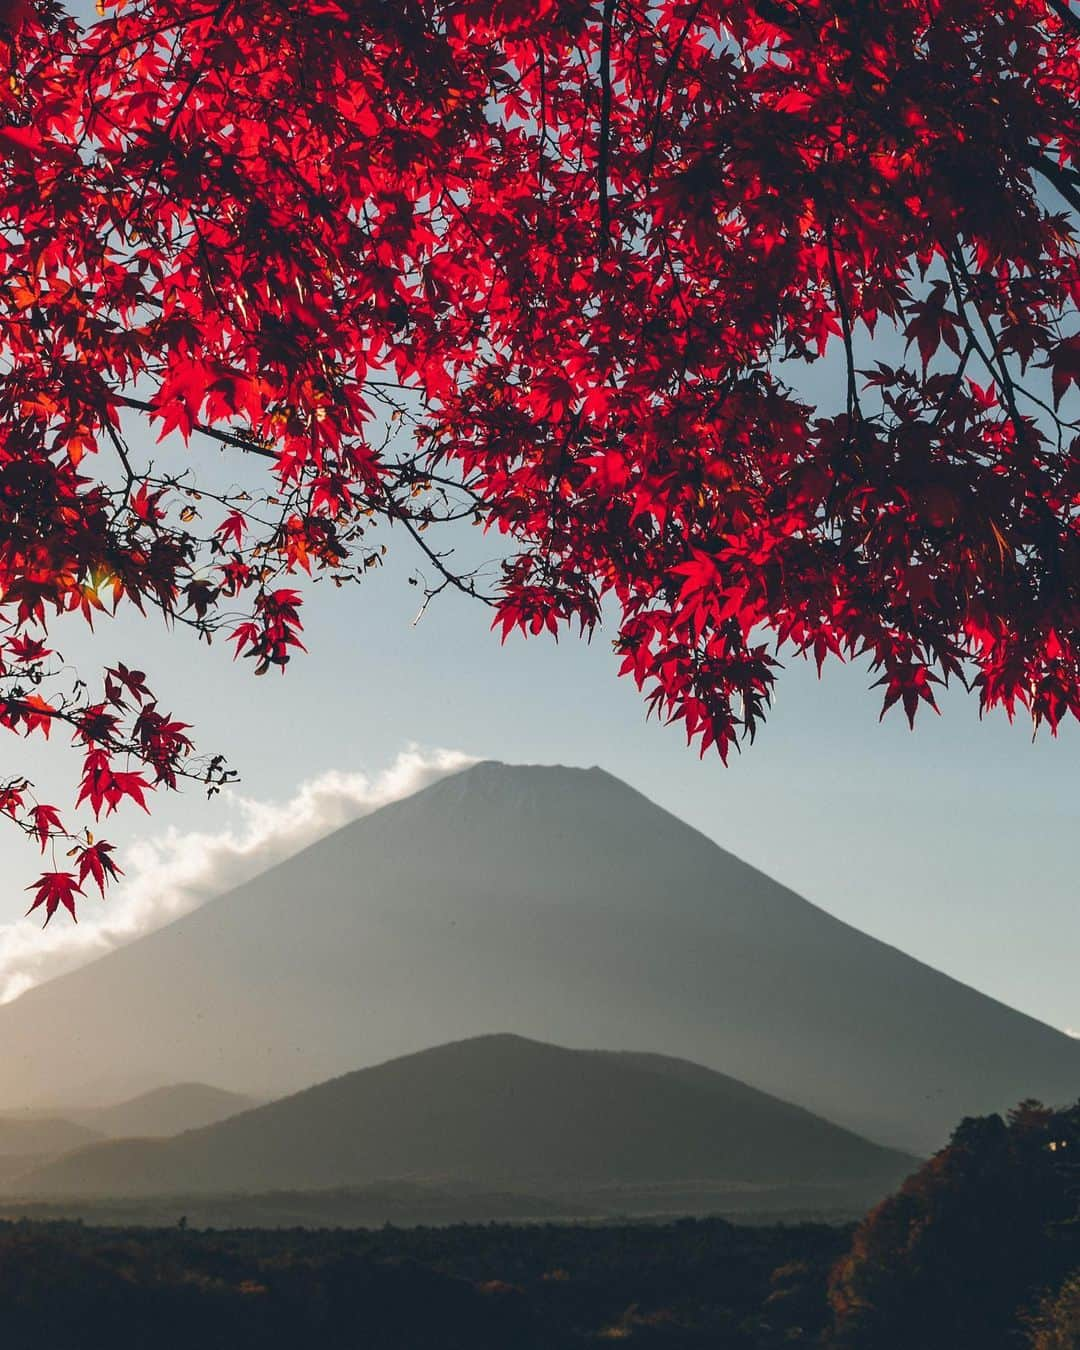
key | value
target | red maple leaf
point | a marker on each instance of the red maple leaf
(45, 820)
(53, 889)
(94, 861)
(1064, 361)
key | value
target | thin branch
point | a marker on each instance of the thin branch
(1001, 372)
(854, 411)
(1067, 183)
(661, 90)
(463, 584)
(605, 121)
(226, 438)
(957, 381)
(542, 145)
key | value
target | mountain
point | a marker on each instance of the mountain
(30, 1139)
(166, 1110)
(497, 1112)
(555, 903)
(27, 1143)
(158, 1113)
(47, 1134)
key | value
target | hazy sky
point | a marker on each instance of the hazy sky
(955, 842)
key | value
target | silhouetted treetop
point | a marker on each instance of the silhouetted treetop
(962, 1251)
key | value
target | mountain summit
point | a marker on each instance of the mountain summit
(556, 903)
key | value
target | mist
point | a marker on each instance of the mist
(168, 875)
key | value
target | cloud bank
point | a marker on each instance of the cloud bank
(173, 873)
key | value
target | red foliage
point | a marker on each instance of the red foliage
(53, 889)
(552, 267)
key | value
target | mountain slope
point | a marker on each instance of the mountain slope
(495, 1111)
(556, 903)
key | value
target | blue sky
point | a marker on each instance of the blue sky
(955, 842)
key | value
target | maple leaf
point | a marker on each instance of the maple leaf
(244, 635)
(233, 525)
(94, 861)
(53, 889)
(930, 322)
(105, 789)
(37, 715)
(144, 504)
(30, 650)
(45, 820)
(909, 683)
(134, 681)
(1064, 361)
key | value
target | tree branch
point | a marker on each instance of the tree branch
(605, 121)
(1067, 183)
(226, 438)
(661, 89)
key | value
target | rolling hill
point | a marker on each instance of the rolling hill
(31, 1139)
(555, 903)
(45, 1135)
(166, 1110)
(497, 1112)
(29, 1142)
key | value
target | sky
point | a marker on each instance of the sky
(955, 842)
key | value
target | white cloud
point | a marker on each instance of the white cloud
(168, 875)
(1073, 1032)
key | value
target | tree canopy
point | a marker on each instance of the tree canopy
(962, 1252)
(557, 268)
